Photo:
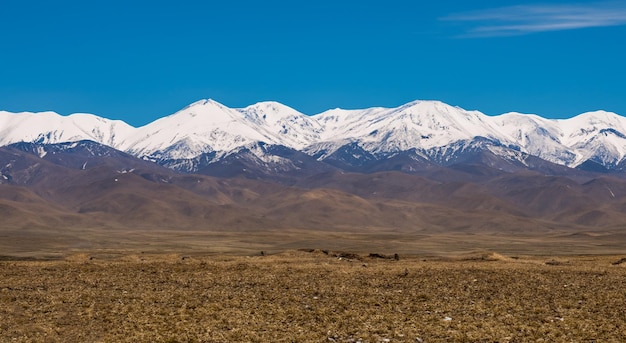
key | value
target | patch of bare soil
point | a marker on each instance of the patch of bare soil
(313, 296)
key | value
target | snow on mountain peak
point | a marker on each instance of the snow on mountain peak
(51, 127)
(426, 126)
(203, 102)
(292, 128)
(201, 127)
(595, 120)
(599, 136)
(418, 124)
(536, 136)
(269, 111)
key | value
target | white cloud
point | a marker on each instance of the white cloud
(526, 19)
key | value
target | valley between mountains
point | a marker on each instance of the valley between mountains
(423, 178)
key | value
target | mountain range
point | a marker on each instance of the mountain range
(210, 138)
(422, 168)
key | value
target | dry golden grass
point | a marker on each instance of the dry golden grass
(313, 297)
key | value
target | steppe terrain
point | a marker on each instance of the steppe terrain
(126, 250)
(313, 296)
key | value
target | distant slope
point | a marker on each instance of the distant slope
(87, 185)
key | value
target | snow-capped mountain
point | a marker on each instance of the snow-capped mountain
(208, 126)
(596, 136)
(419, 124)
(269, 135)
(536, 136)
(593, 136)
(431, 129)
(50, 127)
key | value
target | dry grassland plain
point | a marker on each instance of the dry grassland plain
(314, 296)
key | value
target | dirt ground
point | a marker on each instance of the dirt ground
(314, 296)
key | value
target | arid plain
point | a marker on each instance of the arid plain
(103, 255)
(313, 296)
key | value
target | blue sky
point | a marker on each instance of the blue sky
(141, 60)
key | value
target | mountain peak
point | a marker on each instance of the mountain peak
(421, 102)
(431, 105)
(203, 102)
(599, 116)
(271, 110)
(593, 121)
(51, 127)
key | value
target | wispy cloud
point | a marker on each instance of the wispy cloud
(526, 19)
